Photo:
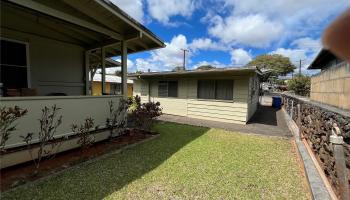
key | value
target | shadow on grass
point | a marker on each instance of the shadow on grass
(99, 179)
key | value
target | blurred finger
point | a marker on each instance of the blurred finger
(336, 37)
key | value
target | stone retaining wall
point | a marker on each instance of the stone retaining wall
(315, 125)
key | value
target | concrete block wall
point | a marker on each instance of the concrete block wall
(332, 86)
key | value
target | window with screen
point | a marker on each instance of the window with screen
(13, 65)
(167, 88)
(215, 89)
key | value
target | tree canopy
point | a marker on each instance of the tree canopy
(205, 67)
(300, 84)
(178, 69)
(280, 65)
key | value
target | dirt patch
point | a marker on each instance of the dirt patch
(25, 172)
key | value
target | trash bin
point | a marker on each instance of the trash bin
(276, 102)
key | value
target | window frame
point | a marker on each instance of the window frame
(215, 90)
(167, 89)
(29, 85)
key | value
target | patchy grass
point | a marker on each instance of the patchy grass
(185, 162)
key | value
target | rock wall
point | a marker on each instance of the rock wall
(315, 124)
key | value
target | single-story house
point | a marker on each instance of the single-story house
(48, 49)
(332, 84)
(225, 95)
(113, 85)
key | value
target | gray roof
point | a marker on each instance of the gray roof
(322, 58)
(196, 73)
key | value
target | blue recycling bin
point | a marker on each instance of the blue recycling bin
(276, 102)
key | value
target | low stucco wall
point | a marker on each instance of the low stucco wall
(74, 110)
(332, 86)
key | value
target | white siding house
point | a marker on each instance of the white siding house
(226, 95)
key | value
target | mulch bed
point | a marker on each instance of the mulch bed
(25, 172)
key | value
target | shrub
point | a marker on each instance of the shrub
(143, 115)
(8, 115)
(83, 131)
(133, 103)
(49, 122)
(300, 84)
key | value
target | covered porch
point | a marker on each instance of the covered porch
(50, 52)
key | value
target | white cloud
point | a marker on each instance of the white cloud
(207, 44)
(305, 49)
(287, 9)
(240, 57)
(167, 58)
(162, 10)
(251, 30)
(258, 23)
(134, 8)
(307, 43)
(293, 54)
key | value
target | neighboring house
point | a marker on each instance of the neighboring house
(226, 95)
(48, 49)
(113, 85)
(332, 85)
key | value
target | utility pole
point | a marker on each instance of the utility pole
(184, 63)
(299, 67)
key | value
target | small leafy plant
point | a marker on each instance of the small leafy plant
(144, 114)
(8, 115)
(49, 122)
(117, 116)
(83, 131)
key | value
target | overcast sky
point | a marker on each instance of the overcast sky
(230, 33)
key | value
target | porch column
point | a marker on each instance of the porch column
(124, 68)
(103, 65)
(87, 70)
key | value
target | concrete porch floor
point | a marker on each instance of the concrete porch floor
(266, 121)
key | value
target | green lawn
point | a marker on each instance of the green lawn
(184, 162)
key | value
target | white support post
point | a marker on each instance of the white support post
(103, 65)
(124, 68)
(87, 70)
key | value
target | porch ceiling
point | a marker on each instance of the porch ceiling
(88, 23)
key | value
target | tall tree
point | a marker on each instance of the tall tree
(205, 67)
(280, 65)
(178, 69)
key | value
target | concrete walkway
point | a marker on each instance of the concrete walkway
(266, 121)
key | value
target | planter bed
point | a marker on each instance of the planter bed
(25, 172)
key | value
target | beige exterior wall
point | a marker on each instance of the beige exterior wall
(54, 66)
(253, 96)
(187, 104)
(332, 86)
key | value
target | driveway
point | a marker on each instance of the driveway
(266, 121)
